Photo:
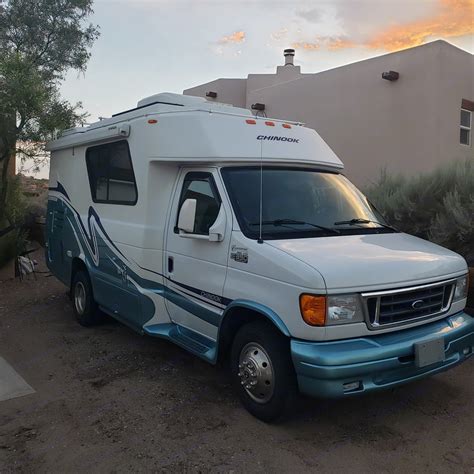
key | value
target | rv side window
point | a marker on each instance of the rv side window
(111, 174)
(201, 186)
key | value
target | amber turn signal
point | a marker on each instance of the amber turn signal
(313, 309)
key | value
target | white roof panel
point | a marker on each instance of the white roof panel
(201, 131)
(220, 137)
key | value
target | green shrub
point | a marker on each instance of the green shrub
(7, 247)
(16, 204)
(13, 243)
(437, 206)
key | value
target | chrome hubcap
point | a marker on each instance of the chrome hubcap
(256, 372)
(80, 297)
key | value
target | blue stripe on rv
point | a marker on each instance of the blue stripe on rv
(108, 287)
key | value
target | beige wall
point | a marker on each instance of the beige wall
(456, 83)
(236, 91)
(229, 91)
(257, 82)
(406, 126)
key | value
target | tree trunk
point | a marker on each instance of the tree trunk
(8, 138)
(4, 184)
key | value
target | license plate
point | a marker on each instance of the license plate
(429, 352)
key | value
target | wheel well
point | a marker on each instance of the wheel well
(77, 264)
(234, 320)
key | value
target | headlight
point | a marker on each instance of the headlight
(318, 310)
(462, 287)
(344, 309)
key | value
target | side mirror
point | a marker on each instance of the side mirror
(187, 216)
(217, 230)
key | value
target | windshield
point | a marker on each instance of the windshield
(299, 203)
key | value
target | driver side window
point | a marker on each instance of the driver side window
(201, 187)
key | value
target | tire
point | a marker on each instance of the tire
(262, 370)
(85, 308)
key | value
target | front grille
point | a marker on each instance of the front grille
(408, 304)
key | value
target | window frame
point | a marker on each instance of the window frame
(314, 233)
(191, 176)
(463, 127)
(110, 201)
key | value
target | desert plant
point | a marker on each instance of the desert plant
(14, 241)
(16, 205)
(437, 206)
(12, 244)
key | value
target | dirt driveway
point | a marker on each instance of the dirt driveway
(109, 400)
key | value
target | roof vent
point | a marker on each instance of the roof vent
(172, 99)
(289, 57)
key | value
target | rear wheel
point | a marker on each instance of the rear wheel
(262, 371)
(85, 308)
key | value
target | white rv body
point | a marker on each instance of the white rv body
(192, 287)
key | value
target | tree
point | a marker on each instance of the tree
(40, 40)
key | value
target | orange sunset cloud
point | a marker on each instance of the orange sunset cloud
(453, 18)
(456, 18)
(236, 37)
(323, 42)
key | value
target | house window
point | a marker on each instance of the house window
(111, 176)
(466, 127)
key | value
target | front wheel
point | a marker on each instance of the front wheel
(262, 371)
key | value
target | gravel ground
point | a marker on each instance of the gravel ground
(109, 400)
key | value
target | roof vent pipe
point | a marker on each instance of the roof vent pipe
(289, 57)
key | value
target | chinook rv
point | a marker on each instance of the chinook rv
(239, 237)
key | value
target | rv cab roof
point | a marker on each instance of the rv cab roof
(177, 128)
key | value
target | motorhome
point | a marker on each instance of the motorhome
(239, 238)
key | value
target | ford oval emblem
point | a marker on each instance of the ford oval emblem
(417, 304)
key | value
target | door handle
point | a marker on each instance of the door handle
(170, 264)
(124, 275)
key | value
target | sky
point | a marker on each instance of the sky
(151, 46)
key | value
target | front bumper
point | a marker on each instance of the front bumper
(380, 361)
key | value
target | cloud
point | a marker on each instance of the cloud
(311, 15)
(307, 46)
(280, 34)
(439, 19)
(234, 38)
(455, 18)
(229, 45)
(340, 43)
(325, 42)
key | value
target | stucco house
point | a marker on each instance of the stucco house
(407, 111)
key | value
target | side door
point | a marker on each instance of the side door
(55, 228)
(114, 193)
(196, 258)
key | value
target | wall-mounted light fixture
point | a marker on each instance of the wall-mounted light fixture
(211, 94)
(258, 106)
(390, 76)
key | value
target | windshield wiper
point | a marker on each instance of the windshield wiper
(287, 222)
(365, 221)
